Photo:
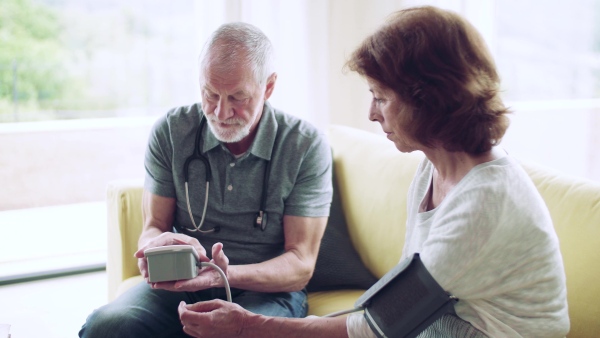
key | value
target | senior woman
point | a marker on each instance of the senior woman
(475, 217)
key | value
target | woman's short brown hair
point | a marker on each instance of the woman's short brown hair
(439, 66)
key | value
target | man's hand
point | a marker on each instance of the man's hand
(215, 318)
(207, 277)
(167, 238)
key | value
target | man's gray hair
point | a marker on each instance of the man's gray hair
(240, 42)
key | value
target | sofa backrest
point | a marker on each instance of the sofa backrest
(574, 205)
(374, 177)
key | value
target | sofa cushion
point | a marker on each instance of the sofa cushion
(338, 265)
(327, 302)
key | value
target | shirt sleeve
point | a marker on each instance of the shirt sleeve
(459, 242)
(357, 327)
(158, 161)
(485, 234)
(312, 192)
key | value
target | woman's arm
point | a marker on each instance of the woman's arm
(217, 318)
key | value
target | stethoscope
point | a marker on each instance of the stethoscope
(261, 215)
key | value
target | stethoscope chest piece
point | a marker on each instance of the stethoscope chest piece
(261, 220)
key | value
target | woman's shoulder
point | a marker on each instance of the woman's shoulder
(502, 176)
(499, 190)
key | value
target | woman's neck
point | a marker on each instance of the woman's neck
(451, 167)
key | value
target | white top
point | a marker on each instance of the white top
(491, 243)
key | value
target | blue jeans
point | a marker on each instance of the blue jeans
(145, 312)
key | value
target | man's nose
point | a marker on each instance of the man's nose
(223, 110)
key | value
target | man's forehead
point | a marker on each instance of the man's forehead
(223, 69)
(232, 82)
(226, 56)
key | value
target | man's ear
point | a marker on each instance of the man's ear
(270, 85)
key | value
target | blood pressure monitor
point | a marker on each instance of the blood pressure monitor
(171, 263)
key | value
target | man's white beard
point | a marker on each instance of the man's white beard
(241, 130)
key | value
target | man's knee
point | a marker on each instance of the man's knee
(292, 304)
(139, 312)
(110, 321)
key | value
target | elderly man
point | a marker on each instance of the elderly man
(230, 174)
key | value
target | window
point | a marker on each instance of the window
(82, 81)
(88, 59)
(548, 54)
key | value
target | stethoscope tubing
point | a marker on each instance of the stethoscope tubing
(187, 200)
(198, 156)
(261, 216)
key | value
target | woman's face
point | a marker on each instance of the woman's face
(387, 109)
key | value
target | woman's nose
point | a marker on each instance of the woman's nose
(374, 116)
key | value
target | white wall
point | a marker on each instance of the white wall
(559, 134)
(66, 162)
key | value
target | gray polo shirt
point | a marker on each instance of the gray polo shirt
(299, 183)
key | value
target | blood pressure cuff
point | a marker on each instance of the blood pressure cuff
(405, 301)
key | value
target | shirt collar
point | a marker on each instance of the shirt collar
(263, 143)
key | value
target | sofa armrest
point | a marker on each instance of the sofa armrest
(124, 204)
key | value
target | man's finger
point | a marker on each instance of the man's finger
(206, 306)
(219, 256)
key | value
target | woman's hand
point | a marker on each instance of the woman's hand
(207, 277)
(215, 318)
(167, 238)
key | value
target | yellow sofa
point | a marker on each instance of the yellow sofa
(373, 179)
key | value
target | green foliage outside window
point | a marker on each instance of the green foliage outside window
(32, 73)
